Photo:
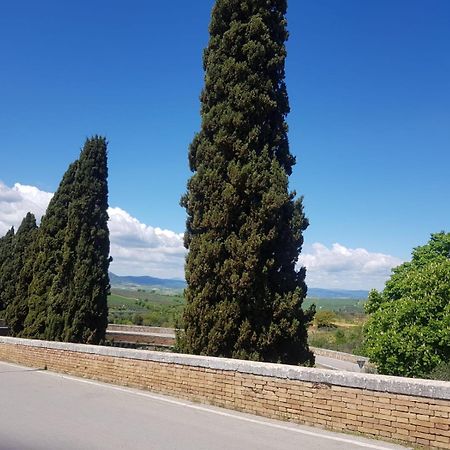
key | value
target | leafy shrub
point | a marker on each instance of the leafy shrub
(440, 372)
(408, 331)
(325, 319)
(348, 340)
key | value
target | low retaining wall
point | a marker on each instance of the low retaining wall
(155, 339)
(407, 410)
(338, 355)
(141, 329)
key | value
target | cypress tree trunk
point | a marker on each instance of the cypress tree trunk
(244, 226)
(78, 309)
(21, 276)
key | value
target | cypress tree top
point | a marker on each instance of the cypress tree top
(244, 227)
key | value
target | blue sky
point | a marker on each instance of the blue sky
(369, 87)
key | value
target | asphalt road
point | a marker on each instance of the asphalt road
(324, 362)
(43, 410)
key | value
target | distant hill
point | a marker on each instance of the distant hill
(336, 293)
(133, 282)
(145, 281)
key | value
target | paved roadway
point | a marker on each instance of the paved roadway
(42, 410)
(325, 362)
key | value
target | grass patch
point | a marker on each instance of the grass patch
(151, 296)
(346, 306)
(141, 307)
(348, 340)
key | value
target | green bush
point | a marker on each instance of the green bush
(325, 319)
(408, 331)
(440, 372)
(138, 319)
(348, 340)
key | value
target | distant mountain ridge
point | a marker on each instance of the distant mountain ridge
(337, 293)
(147, 281)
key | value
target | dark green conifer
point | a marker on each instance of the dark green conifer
(78, 309)
(21, 274)
(6, 267)
(244, 226)
(47, 256)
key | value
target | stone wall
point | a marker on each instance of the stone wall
(338, 355)
(408, 410)
(141, 329)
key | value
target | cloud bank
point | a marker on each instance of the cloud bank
(16, 201)
(136, 248)
(140, 249)
(342, 267)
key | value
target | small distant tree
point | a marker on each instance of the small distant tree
(21, 274)
(325, 319)
(408, 330)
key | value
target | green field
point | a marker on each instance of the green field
(151, 307)
(345, 330)
(141, 307)
(124, 303)
(153, 295)
(338, 305)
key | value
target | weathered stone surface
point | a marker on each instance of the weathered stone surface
(381, 383)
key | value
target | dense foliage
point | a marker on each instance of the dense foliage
(46, 257)
(77, 305)
(244, 226)
(59, 272)
(6, 257)
(20, 274)
(408, 331)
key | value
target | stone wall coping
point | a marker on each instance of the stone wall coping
(138, 333)
(381, 383)
(140, 328)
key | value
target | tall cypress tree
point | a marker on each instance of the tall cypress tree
(21, 274)
(244, 227)
(47, 256)
(6, 268)
(78, 309)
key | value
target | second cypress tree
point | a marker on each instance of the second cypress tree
(78, 309)
(7, 243)
(244, 226)
(46, 257)
(21, 274)
(67, 296)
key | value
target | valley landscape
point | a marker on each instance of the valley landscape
(160, 302)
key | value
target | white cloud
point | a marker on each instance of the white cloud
(136, 248)
(342, 267)
(15, 202)
(140, 249)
